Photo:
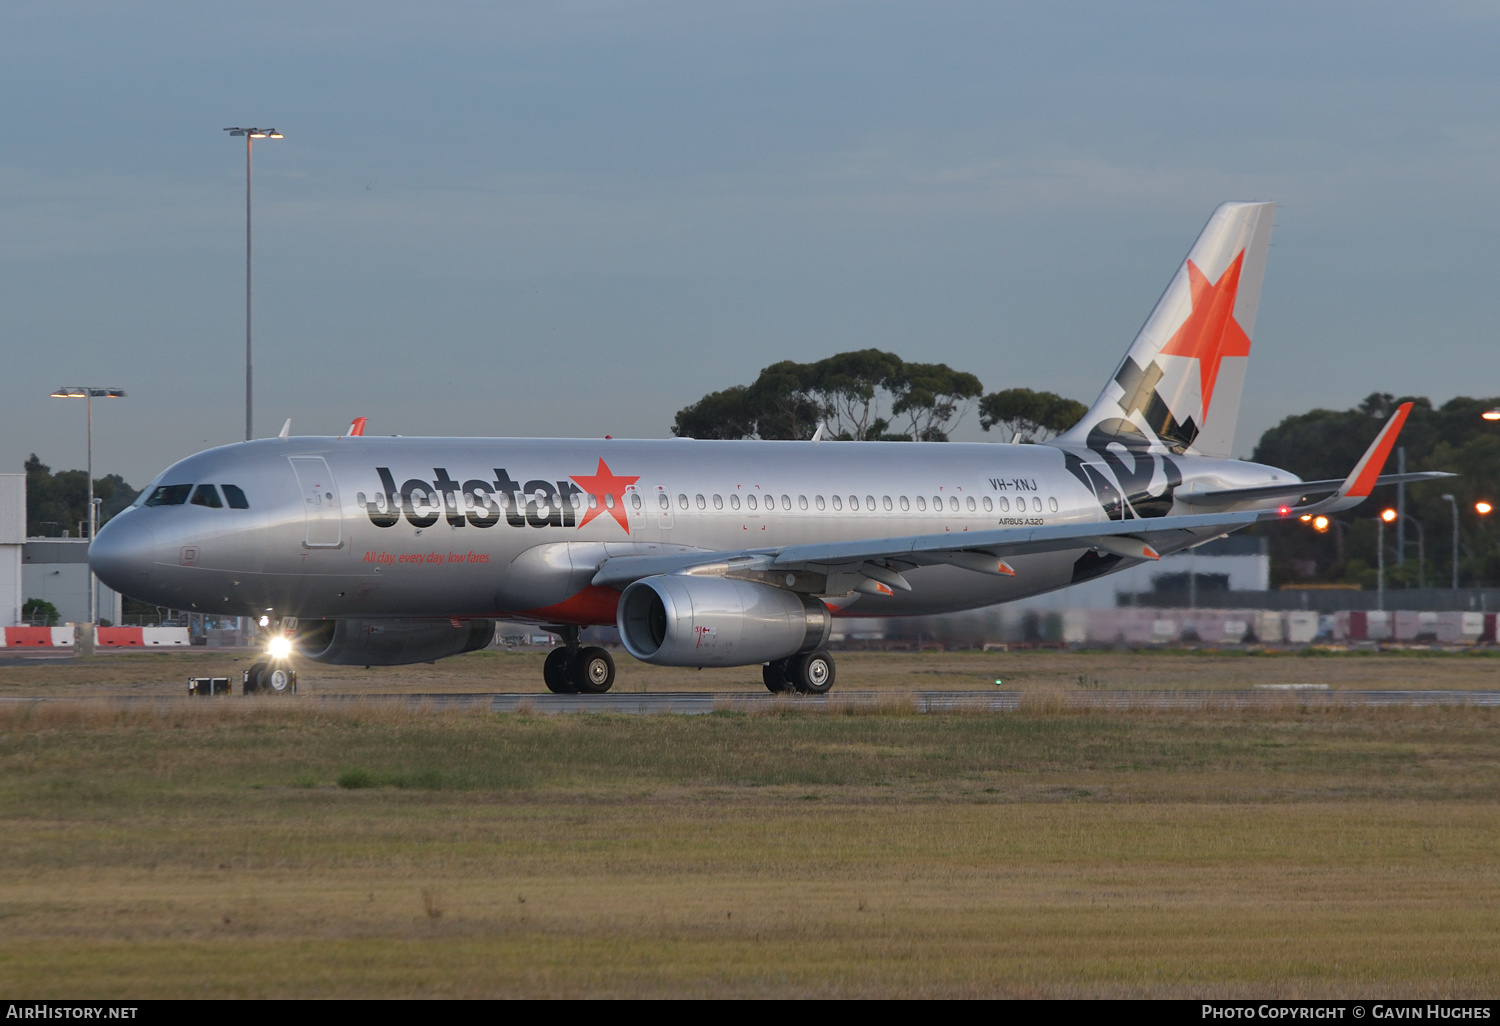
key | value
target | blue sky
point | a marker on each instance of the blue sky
(576, 218)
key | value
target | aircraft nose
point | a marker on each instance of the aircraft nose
(123, 553)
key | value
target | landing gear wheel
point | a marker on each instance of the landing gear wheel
(774, 674)
(250, 682)
(592, 672)
(278, 680)
(812, 674)
(555, 673)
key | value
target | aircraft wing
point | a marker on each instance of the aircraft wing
(881, 559)
(983, 551)
(1298, 489)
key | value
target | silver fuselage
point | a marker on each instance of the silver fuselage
(473, 527)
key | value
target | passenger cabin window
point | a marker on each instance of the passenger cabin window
(838, 503)
(666, 503)
(885, 500)
(734, 501)
(207, 495)
(750, 501)
(786, 502)
(702, 502)
(820, 503)
(635, 499)
(937, 503)
(802, 501)
(1036, 504)
(235, 497)
(921, 504)
(1004, 504)
(718, 502)
(169, 495)
(870, 503)
(953, 503)
(1052, 503)
(682, 501)
(971, 504)
(905, 504)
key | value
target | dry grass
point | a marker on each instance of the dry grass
(165, 673)
(267, 848)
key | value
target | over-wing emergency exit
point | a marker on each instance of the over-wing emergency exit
(384, 551)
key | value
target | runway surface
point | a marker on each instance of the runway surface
(698, 703)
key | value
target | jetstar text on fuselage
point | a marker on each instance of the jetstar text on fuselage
(484, 502)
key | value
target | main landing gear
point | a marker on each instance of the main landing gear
(810, 673)
(571, 670)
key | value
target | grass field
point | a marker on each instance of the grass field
(278, 848)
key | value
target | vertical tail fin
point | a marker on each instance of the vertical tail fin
(1179, 384)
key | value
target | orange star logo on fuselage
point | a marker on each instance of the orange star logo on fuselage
(609, 489)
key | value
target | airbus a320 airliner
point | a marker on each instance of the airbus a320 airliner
(385, 551)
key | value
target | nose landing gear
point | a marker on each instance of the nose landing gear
(571, 670)
(272, 677)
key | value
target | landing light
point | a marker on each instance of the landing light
(1482, 508)
(1491, 414)
(280, 647)
(1306, 518)
(1320, 523)
(265, 621)
(1388, 515)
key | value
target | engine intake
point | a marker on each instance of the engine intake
(681, 620)
(379, 642)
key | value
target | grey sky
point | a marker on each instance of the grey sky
(577, 218)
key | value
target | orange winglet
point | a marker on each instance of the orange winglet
(356, 427)
(1369, 468)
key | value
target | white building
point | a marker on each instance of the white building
(56, 570)
(12, 538)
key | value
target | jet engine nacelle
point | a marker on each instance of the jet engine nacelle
(681, 620)
(379, 642)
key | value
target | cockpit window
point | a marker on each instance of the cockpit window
(169, 495)
(207, 495)
(236, 497)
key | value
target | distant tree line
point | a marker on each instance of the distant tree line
(873, 395)
(1454, 437)
(57, 504)
(870, 395)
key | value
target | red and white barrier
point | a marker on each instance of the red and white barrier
(104, 637)
(142, 637)
(37, 637)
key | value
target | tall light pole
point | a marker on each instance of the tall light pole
(1402, 518)
(1450, 500)
(88, 393)
(1385, 518)
(250, 134)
